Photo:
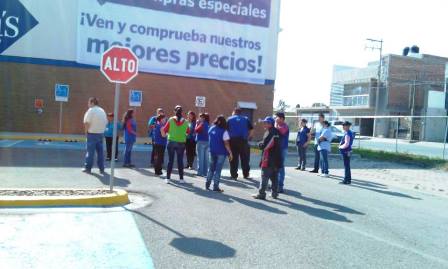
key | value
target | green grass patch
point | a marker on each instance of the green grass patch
(404, 158)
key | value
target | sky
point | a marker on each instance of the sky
(317, 34)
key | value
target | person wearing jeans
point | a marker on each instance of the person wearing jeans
(324, 147)
(345, 148)
(95, 121)
(283, 130)
(176, 129)
(317, 130)
(219, 150)
(94, 144)
(202, 146)
(130, 136)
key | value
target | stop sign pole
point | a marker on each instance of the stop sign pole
(119, 65)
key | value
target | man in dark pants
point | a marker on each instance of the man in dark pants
(151, 125)
(240, 130)
(317, 132)
(270, 159)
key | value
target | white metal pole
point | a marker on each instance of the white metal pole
(444, 139)
(114, 135)
(60, 117)
(396, 136)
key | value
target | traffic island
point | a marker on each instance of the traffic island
(62, 197)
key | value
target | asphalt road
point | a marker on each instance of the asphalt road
(318, 223)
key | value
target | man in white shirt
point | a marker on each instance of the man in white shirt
(95, 121)
(317, 133)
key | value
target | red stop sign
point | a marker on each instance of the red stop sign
(119, 64)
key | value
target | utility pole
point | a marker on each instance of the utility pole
(377, 45)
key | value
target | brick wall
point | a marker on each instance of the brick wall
(22, 83)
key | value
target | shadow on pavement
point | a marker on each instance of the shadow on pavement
(120, 182)
(315, 212)
(335, 207)
(194, 246)
(229, 198)
(375, 187)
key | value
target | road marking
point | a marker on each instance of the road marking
(373, 237)
(9, 143)
(396, 245)
(72, 239)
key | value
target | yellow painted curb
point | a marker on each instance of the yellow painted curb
(117, 198)
(59, 139)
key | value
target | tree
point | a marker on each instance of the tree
(282, 106)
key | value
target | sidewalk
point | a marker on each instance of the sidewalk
(53, 137)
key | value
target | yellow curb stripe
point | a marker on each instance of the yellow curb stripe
(62, 139)
(118, 198)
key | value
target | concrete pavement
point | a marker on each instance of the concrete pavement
(318, 223)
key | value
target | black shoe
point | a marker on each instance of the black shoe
(314, 171)
(303, 169)
(234, 178)
(274, 196)
(298, 168)
(207, 185)
(218, 190)
(259, 197)
(87, 171)
(158, 173)
(346, 182)
(281, 191)
(102, 172)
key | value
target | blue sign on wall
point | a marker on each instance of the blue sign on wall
(61, 92)
(135, 98)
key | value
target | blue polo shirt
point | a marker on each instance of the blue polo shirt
(239, 126)
(302, 136)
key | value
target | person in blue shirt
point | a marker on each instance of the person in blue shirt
(302, 141)
(190, 145)
(345, 147)
(219, 150)
(283, 131)
(159, 143)
(201, 130)
(324, 147)
(241, 131)
(151, 126)
(130, 136)
(317, 132)
(108, 134)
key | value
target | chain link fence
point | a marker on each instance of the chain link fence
(416, 135)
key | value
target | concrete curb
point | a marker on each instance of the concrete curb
(117, 198)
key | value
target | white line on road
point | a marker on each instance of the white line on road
(9, 143)
(359, 232)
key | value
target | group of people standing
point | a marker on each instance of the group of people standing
(212, 143)
(322, 146)
(196, 137)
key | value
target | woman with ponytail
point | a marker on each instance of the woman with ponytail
(176, 129)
